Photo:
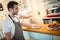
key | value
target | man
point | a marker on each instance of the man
(11, 25)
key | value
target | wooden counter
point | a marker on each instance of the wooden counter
(42, 29)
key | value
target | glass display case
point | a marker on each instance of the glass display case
(53, 9)
(53, 12)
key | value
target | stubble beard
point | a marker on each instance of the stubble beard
(14, 13)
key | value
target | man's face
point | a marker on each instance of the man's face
(15, 10)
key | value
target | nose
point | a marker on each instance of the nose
(17, 10)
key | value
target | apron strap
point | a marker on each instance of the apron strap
(11, 18)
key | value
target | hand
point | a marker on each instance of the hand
(35, 26)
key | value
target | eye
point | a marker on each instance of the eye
(16, 9)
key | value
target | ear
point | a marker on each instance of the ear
(10, 9)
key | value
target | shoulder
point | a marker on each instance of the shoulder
(7, 21)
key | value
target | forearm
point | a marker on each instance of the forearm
(26, 24)
(8, 36)
(29, 25)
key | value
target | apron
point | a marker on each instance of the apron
(18, 31)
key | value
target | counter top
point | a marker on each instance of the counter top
(43, 29)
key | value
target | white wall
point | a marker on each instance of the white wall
(38, 5)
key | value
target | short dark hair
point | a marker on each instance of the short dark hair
(11, 4)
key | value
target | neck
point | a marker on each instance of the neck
(12, 15)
